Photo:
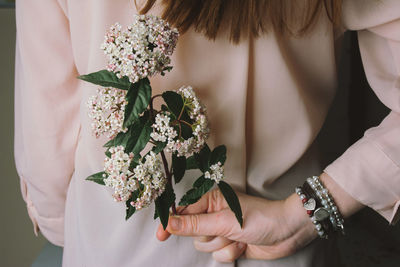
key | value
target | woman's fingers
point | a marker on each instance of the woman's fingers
(213, 244)
(189, 225)
(210, 202)
(281, 249)
(207, 224)
(267, 252)
(203, 238)
(230, 253)
(162, 234)
(219, 223)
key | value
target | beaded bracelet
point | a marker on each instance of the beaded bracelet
(310, 206)
(326, 200)
(320, 207)
(321, 213)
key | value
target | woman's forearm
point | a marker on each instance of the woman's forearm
(346, 204)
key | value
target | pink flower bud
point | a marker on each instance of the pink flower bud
(111, 67)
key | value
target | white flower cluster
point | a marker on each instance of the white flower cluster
(164, 132)
(118, 174)
(106, 109)
(152, 179)
(142, 50)
(146, 177)
(216, 172)
(197, 113)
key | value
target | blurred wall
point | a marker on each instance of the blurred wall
(18, 245)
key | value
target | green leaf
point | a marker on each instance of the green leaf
(106, 78)
(108, 153)
(143, 138)
(97, 178)
(120, 140)
(155, 213)
(134, 163)
(191, 163)
(139, 135)
(174, 102)
(138, 97)
(136, 159)
(163, 203)
(200, 187)
(218, 155)
(164, 108)
(130, 210)
(232, 200)
(186, 131)
(159, 147)
(200, 181)
(203, 158)
(167, 68)
(178, 167)
(175, 105)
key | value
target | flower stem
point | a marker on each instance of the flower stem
(155, 96)
(169, 177)
(180, 114)
(153, 112)
(180, 131)
(182, 210)
(185, 122)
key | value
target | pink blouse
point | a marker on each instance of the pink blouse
(267, 99)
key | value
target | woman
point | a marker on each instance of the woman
(267, 86)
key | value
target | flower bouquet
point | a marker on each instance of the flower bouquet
(123, 111)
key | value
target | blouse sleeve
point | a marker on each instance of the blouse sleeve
(46, 113)
(370, 169)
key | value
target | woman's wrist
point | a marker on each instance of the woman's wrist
(346, 204)
(297, 218)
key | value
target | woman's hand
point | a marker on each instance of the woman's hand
(271, 229)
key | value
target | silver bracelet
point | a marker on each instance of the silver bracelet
(328, 203)
(309, 205)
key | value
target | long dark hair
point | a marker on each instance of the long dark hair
(293, 17)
